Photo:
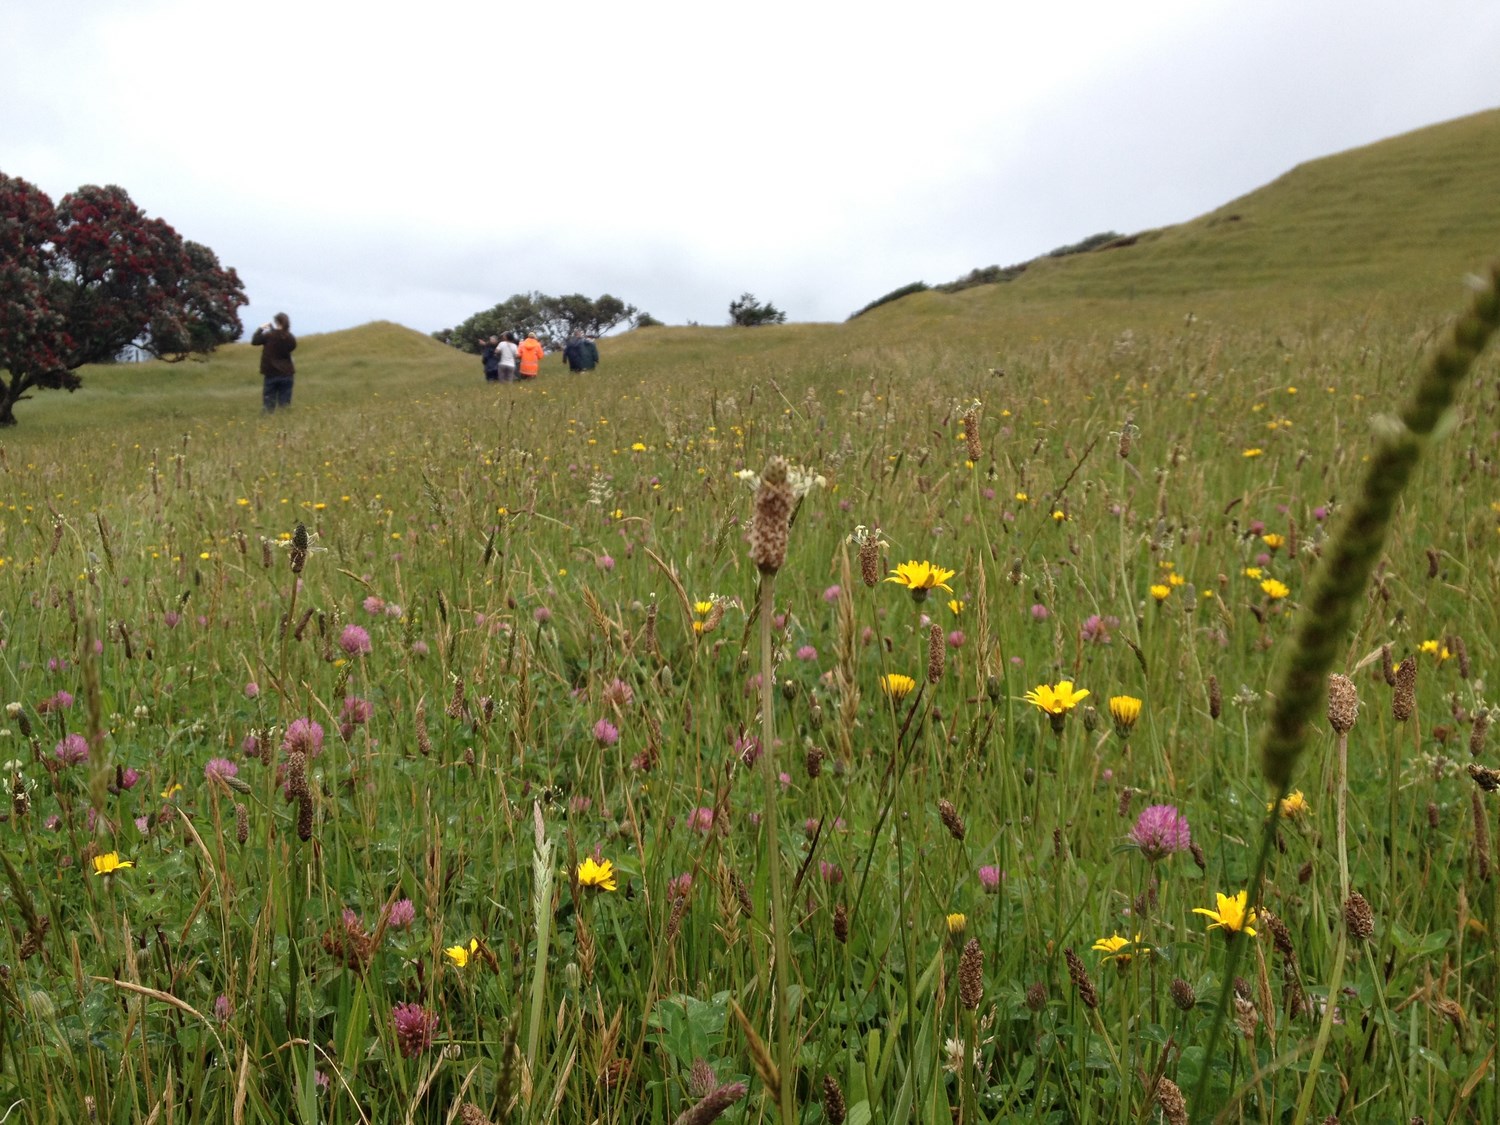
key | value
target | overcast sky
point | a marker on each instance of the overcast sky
(419, 162)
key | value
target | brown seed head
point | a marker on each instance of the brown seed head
(241, 823)
(841, 923)
(951, 820)
(1359, 919)
(1387, 668)
(304, 818)
(771, 523)
(1486, 779)
(1404, 699)
(869, 560)
(1480, 729)
(713, 1106)
(1280, 935)
(1182, 994)
(971, 975)
(1173, 1104)
(935, 653)
(1080, 978)
(834, 1110)
(1343, 703)
(1036, 996)
(1461, 654)
(1215, 698)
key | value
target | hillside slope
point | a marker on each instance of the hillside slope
(1402, 215)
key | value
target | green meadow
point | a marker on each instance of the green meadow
(437, 751)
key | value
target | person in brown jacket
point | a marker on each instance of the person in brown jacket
(276, 343)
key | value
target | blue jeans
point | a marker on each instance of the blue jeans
(277, 392)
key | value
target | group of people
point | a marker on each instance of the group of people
(504, 360)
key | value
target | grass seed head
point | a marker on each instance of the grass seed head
(1343, 703)
(971, 975)
(1404, 697)
(1359, 919)
(771, 523)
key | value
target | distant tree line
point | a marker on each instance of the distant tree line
(993, 275)
(551, 319)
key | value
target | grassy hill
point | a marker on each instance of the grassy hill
(1388, 230)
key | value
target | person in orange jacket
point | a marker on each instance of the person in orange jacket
(530, 356)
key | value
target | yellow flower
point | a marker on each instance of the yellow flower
(171, 791)
(1231, 916)
(1160, 591)
(1435, 648)
(702, 609)
(109, 863)
(1274, 541)
(1022, 498)
(956, 606)
(920, 577)
(1056, 700)
(1254, 452)
(1111, 948)
(1275, 590)
(1176, 580)
(1125, 710)
(896, 685)
(460, 954)
(1293, 805)
(957, 923)
(1254, 573)
(601, 875)
(1059, 515)
(638, 447)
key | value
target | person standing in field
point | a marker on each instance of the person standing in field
(530, 355)
(580, 354)
(489, 359)
(276, 344)
(505, 355)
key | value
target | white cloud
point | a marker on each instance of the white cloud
(418, 162)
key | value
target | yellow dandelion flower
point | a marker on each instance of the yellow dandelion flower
(1254, 573)
(601, 875)
(1022, 498)
(1232, 915)
(461, 954)
(1274, 590)
(1176, 580)
(1119, 949)
(1255, 452)
(956, 606)
(897, 686)
(1125, 710)
(1293, 805)
(1058, 700)
(957, 923)
(920, 577)
(638, 447)
(1161, 591)
(1273, 540)
(109, 863)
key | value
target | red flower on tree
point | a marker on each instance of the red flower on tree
(82, 281)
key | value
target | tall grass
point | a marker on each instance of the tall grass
(528, 629)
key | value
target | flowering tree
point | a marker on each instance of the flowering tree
(82, 281)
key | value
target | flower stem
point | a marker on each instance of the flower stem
(781, 952)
